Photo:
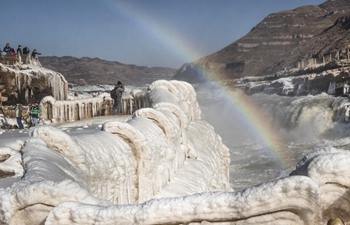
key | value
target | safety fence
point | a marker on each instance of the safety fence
(72, 110)
(9, 58)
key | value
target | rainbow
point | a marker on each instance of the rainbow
(257, 125)
(168, 38)
(252, 117)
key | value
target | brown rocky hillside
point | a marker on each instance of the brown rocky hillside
(96, 71)
(279, 42)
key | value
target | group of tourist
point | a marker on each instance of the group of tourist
(9, 50)
(34, 111)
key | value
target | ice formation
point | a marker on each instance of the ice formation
(124, 163)
(53, 110)
(28, 81)
(164, 166)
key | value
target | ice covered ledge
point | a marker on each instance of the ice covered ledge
(128, 162)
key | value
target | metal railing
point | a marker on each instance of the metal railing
(9, 58)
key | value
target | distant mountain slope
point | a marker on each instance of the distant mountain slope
(279, 42)
(96, 71)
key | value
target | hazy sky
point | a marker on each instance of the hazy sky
(141, 32)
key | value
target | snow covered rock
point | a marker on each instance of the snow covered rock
(28, 83)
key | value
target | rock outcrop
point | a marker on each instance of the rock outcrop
(28, 83)
(281, 41)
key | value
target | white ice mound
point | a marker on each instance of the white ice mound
(329, 168)
(11, 159)
(292, 200)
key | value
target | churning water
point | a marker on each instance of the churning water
(302, 125)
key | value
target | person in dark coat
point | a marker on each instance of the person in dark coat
(7, 48)
(19, 49)
(35, 53)
(26, 50)
(118, 89)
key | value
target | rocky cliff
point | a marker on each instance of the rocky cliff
(279, 42)
(96, 71)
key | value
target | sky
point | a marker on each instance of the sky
(142, 32)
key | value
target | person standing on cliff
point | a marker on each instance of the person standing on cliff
(7, 48)
(19, 49)
(18, 114)
(35, 57)
(35, 53)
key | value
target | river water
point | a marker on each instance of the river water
(302, 124)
